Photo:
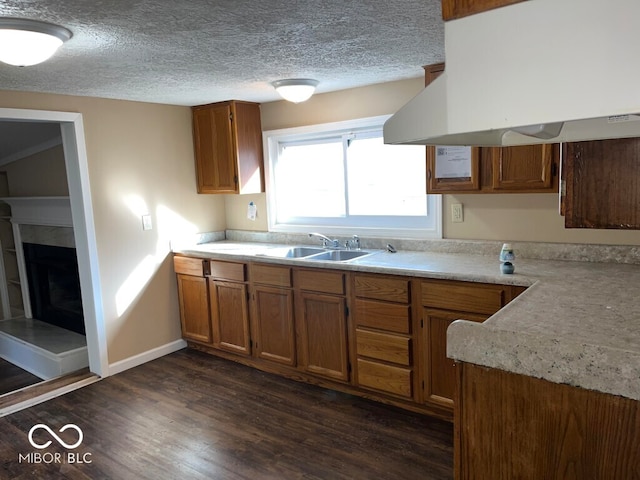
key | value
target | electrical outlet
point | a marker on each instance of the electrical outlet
(457, 215)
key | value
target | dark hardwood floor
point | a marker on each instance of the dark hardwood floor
(14, 378)
(193, 416)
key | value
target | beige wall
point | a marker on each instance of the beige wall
(140, 160)
(370, 101)
(524, 217)
(40, 174)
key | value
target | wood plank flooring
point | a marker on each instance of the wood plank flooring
(193, 416)
(12, 400)
(14, 378)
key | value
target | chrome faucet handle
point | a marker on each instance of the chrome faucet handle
(353, 243)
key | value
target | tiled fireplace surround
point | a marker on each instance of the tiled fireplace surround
(40, 348)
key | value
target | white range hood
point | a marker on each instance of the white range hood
(565, 70)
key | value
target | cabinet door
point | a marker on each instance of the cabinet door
(323, 335)
(440, 378)
(525, 168)
(194, 308)
(230, 318)
(443, 184)
(214, 149)
(273, 327)
(602, 183)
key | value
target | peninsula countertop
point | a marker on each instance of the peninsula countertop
(577, 323)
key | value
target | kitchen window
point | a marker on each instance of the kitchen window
(340, 178)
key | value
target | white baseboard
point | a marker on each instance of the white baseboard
(136, 360)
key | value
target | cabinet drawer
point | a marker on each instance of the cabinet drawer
(464, 297)
(228, 270)
(382, 288)
(385, 378)
(271, 275)
(382, 346)
(190, 266)
(385, 316)
(319, 281)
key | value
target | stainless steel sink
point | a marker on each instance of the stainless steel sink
(293, 252)
(338, 255)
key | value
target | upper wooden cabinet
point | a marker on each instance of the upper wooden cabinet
(521, 169)
(602, 180)
(452, 9)
(527, 168)
(228, 147)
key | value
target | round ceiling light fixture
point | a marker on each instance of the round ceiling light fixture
(25, 42)
(296, 90)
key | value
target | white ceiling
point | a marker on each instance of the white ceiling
(192, 52)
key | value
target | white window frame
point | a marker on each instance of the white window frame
(271, 139)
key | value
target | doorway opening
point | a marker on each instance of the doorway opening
(58, 285)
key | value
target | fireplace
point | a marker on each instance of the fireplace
(54, 285)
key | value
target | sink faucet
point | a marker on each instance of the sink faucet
(353, 244)
(326, 241)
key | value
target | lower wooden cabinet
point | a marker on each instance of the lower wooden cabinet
(230, 316)
(515, 426)
(385, 378)
(444, 302)
(440, 373)
(323, 335)
(376, 335)
(194, 299)
(273, 327)
(321, 318)
(228, 306)
(384, 334)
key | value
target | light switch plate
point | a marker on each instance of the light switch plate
(146, 222)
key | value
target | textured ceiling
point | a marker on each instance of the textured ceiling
(197, 51)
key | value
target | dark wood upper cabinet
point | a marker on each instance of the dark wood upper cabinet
(452, 9)
(228, 147)
(602, 184)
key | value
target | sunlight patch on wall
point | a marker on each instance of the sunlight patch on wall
(136, 204)
(172, 229)
(135, 283)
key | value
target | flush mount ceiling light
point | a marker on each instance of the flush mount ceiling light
(295, 90)
(26, 42)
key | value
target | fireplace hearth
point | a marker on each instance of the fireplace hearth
(54, 285)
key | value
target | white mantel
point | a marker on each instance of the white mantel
(48, 213)
(52, 211)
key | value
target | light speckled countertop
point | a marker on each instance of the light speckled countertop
(577, 323)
